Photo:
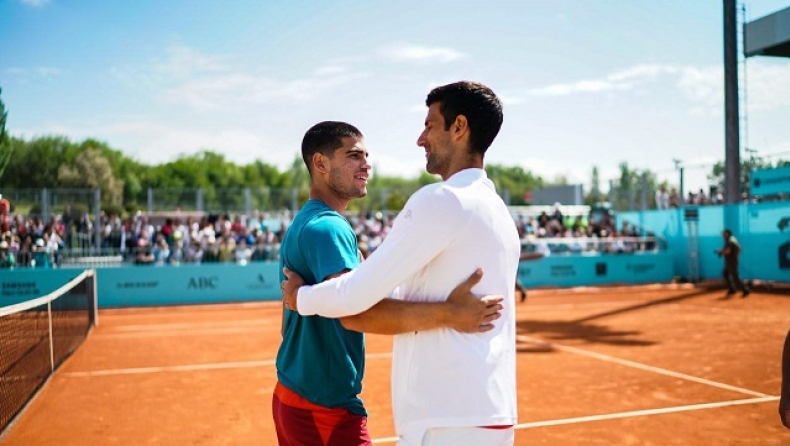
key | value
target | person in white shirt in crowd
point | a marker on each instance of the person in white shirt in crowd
(662, 198)
(449, 388)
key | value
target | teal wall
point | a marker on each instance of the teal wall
(19, 285)
(579, 270)
(763, 229)
(187, 284)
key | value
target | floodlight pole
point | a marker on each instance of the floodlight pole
(732, 164)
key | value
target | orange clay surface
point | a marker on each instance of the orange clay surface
(652, 365)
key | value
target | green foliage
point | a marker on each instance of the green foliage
(91, 170)
(114, 209)
(6, 149)
(632, 187)
(754, 162)
(55, 162)
(514, 181)
(595, 195)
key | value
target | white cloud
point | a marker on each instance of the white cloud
(184, 62)
(704, 87)
(767, 86)
(416, 53)
(210, 83)
(47, 71)
(621, 80)
(35, 3)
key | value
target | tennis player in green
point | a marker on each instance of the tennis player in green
(321, 361)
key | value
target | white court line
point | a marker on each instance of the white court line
(640, 413)
(196, 332)
(646, 367)
(191, 367)
(630, 414)
(191, 325)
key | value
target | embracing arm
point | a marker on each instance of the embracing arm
(462, 311)
(428, 224)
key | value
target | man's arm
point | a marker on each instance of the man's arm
(784, 401)
(462, 311)
(428, 223)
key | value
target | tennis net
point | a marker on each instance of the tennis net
(37, 336)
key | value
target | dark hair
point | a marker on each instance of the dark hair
(478, 103)
(326, 137)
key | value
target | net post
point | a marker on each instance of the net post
(91, 285)
(51, 341)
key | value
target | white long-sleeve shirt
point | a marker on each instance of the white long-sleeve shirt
(445, 231)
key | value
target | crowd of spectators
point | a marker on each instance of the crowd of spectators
(183, 238)
(557, 233)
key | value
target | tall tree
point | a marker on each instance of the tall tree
(91, 170)
(595, 195)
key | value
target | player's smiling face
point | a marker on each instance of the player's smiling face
(436, 141)
(349, 169)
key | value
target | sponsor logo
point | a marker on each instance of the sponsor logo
(137, 285)
(203, 283)
(640, 268)
(20, 289)
(562, 270)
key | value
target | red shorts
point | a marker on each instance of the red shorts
(301, 423)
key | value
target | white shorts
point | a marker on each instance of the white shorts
(458, 436)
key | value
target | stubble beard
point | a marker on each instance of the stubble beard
(343, 191)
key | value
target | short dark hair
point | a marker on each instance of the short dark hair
(478, 103)
(326, 137)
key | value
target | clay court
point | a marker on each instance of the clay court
(653, 365)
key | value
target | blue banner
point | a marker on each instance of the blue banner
(574, 270)
(770, 181)
(132, 286)
(22, 284)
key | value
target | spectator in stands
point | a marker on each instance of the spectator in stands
(41, 258)
(543, 220)
(177, 250)
(167, 231)
(194, 252)
(161, 250)
(24, 254)
(674, 198)
(262, 250)
(700, 198)
(143, 254)
(557, 214)
(242, 252)
(662, 198)
(717, 198)
(7, 259)
(226, 248)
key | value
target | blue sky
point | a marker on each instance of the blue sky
(585, 83)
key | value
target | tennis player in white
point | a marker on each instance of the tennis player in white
(449, 388)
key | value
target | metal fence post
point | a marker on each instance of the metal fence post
(97, 229)
(247, 202)
(45, 205)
